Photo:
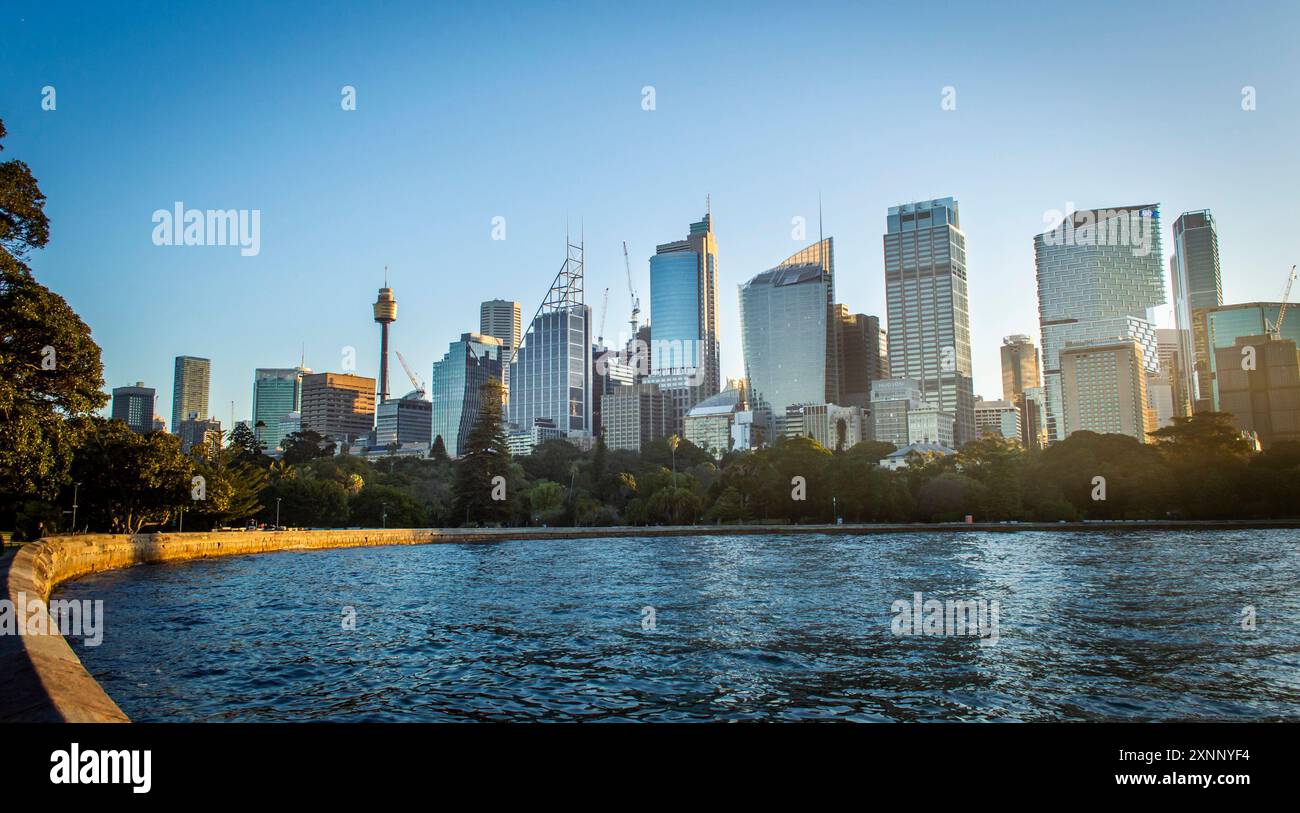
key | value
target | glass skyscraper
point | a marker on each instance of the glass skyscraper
(1196, 283)
(786, 329)
(1222, 326)
(454, 387)
(276, 393)
(550, 378)
(1099, 273)
(929, 309)
(684, 308)
(190, 389)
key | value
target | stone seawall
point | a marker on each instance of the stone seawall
(43, 680)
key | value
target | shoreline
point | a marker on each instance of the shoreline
(43, 680)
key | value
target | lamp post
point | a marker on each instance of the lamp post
(384, 518)
(277, 513)
(76, 488)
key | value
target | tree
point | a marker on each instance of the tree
(438, 451)
(304, 445)
(51, 375)
(243, 440)
(484, 457)
(129, 480)
(233, 484)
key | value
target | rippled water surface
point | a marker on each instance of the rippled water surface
(1092, 626)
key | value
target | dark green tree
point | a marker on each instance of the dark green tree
(438, 451)
(131, 481)
(484, 458)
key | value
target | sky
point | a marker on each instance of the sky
(534, 113)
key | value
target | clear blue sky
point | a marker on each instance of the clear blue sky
(533, 112)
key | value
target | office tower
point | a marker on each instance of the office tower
(1103, 389)
(684, 306)
(201, 432)
(929, 309)
(1196, 283)
(1033, 418)
(550, 378)
(788, 333)
(891, 400)
(502, 319)
(134, 406)
(455, 387)
(405, 421)
(1019, 367)
(1221, 327)
(190, 384)
(999, 418)
(1259, 384)
(836, 427)
(863, 355)
(633, 416)
(338, 406)
(385, 309)
(290, 424)
(1099, 272)
(610, 372)
(277, 391)
(1165, 389)
(708, 424)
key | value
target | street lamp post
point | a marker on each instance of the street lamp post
(76, 488)
(384, 518)
(277, 513)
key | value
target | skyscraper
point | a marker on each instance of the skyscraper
(788, 333)
(864, 355)
(454, 387)
(1263, 393)
(1221, 327)
(339, 406)
(502, 319)
(1019, 367)
(190, 389)
(684, 307)
(385, 314)
(134, 407)
(550, 378)
(1196, 283)
(1099, 273)
(929, 310)
(1104, 389)
(276, 392)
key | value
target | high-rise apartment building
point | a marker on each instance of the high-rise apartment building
(190, 384)
(134, 407)
(790, 333)
(1104, 389)
(929, 308)
(1099, 273)
(633, 416)
(338, 406)
(455, 386)
(1197, 283)
(864, 355)
(502, 319)
(277, 391)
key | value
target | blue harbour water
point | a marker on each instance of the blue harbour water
(1092, 626)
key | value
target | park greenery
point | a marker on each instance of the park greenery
(55, 450)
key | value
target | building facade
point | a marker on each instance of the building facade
(998, 418)
(684, 307)
(634, 416)
(864, 357)
(789, 333)
(339, 406)
(1197, 284)
(201, 432)
(1104, 389)
(276, 393)
(836, 427)
(1099, 273)
(405, 421)
(708, 424)
(891, 401)
(454, 387)
(134, 407)
(929, 307)
(1220, 328)
(502, 319)
(190, 382)
(1259, 384)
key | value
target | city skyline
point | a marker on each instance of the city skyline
(314, 278)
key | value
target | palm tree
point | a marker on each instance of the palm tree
(673, 443)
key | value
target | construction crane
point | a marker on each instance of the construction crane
(605, 311)
(636, 301)
(415, 382)
(1276, 331)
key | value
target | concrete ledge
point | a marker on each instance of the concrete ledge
(43, 680)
